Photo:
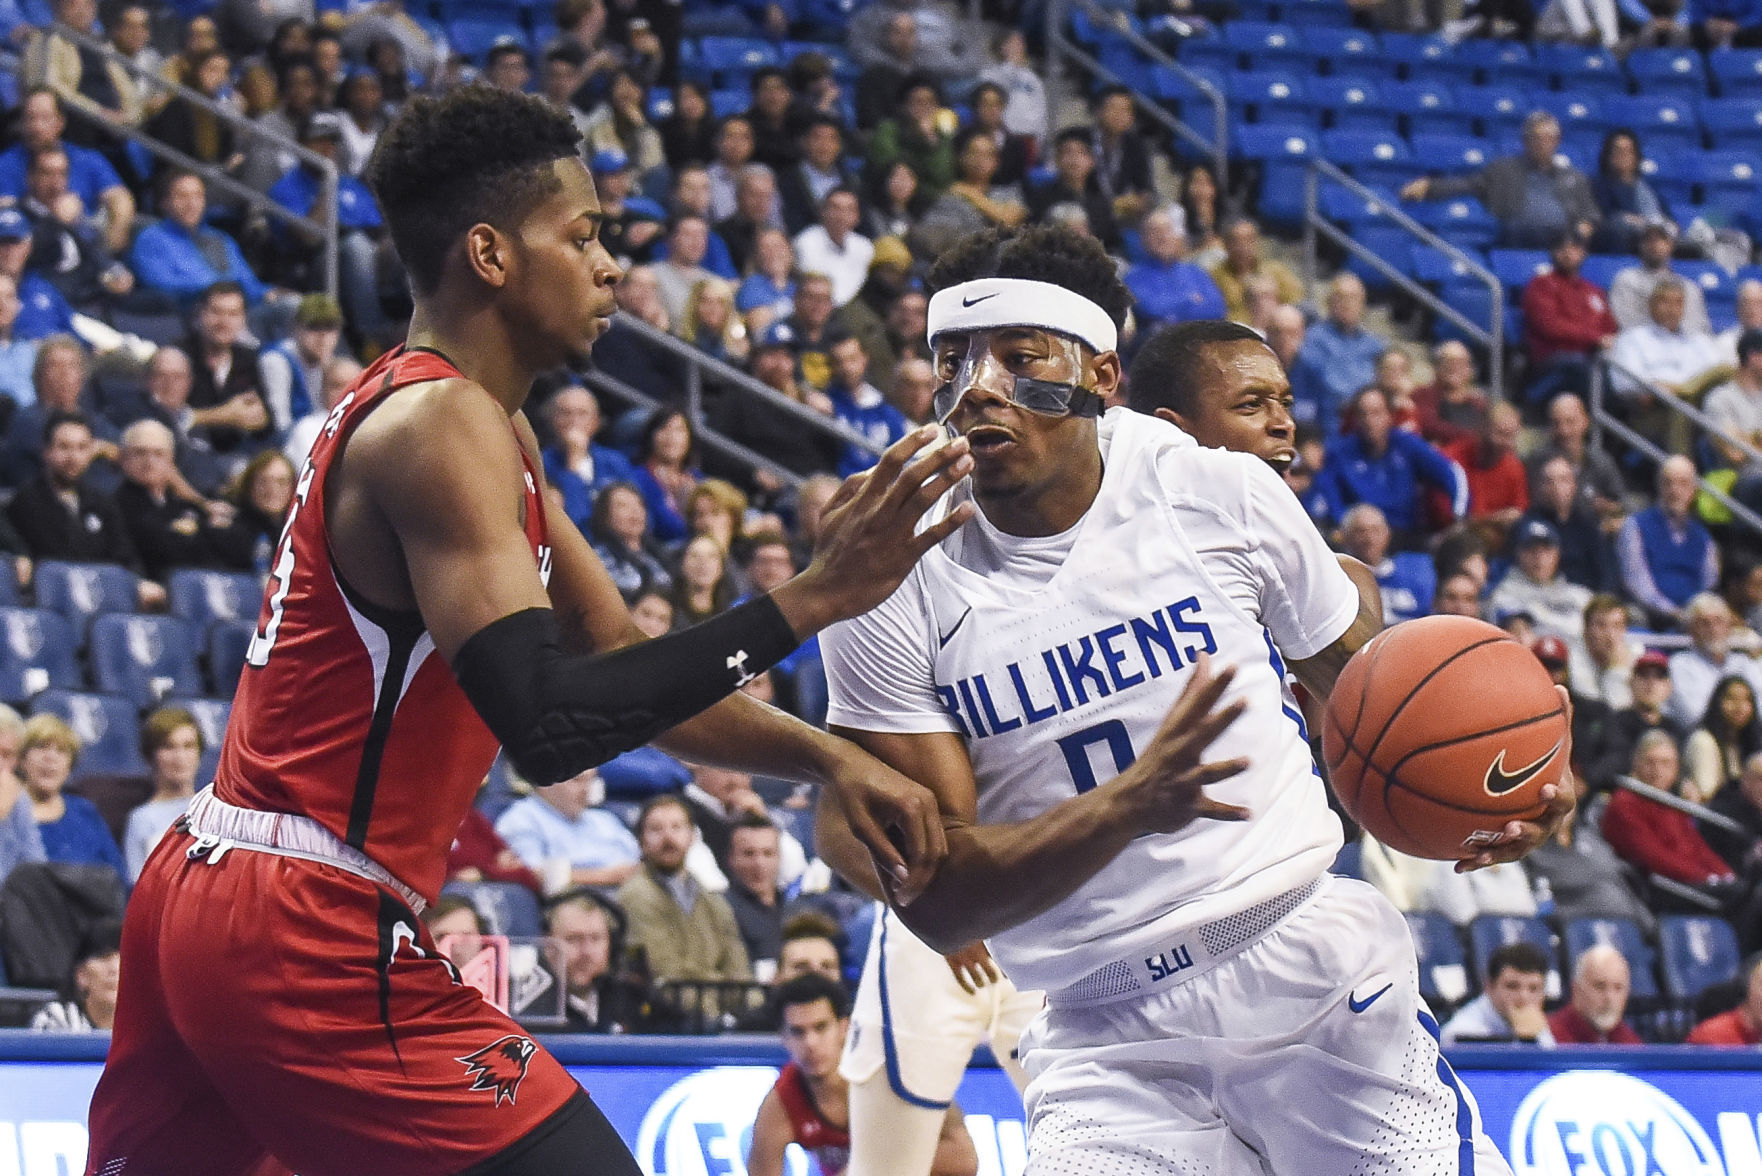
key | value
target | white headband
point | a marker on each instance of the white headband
(987, 303)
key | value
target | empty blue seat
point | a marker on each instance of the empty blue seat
(10, 595)
(1624, 936)
(1275, 96)
(1573, 110)
(1501, 108)
(1716, 284)
(36, 652)
(1349, 208)
(731, 60)
(107, 726)
(1515, 267)
(728, 102)
(1429, 108)
(1427, 58)
(144, 658)
(1213, 53)
(1272, 143)
(1668, 71)
(1728, 179)
(228, 642)
(1464, 221)
(1351, 104)
(1386, 242)
(1284, 153)
(1663, 122)
(1373, 157)
(1451, 153)
(1267, 45)
(1576, 69)
(1733, 124)
(1509, 63)
(474, 35)
(1489, 933)
(1600, 268)
(1695, 953)
(1473, 301)
(1434, 267)
(202, 597)
(1444, 977)
(1736, 73)
(80, 591)
(506, 908)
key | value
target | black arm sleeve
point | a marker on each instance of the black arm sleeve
(558, 714)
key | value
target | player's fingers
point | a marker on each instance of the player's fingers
(1200, 734)
(868, 830)
(905, 481)
(886, 470)
(1201, 694)
(1217, 810)
(923, 841)
(932, 490)
(932, 535)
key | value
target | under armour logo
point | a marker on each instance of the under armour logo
(737, 663)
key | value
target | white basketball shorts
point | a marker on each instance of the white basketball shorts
(1306, 1051)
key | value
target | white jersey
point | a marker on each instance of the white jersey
(1059, 659)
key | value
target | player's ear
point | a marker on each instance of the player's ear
(1106, 370)
(486, 252)
(1172, 417)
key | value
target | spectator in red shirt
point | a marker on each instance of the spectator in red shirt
(480, 855)
(1450, 408)
(1566, 321)
(1739, 1026)
(1661, 840)
(1498, 486)
(1596, 1015)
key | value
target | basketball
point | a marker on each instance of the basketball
(1440, 731)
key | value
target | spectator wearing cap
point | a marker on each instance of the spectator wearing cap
(1630, 293)
(359, 227)
(1649, 709)
(67, 243)
(804, 185)
(1498, 489)
(1342, 351)
(1597, 1012)
(1385, 466)
(1406, 578)
(507, 65)
(835, 248)
(179, 257)
(1073, 182)
(42, 310)
(41, 124)
(1534, 195)
(17, 356)
(292, 369)
(1590, 718)
(1566, 322)
(630, 225)
(859, 405)
(1708, 659)
(688, 243)
(1534, 585)
(1735, 408)
(762, 428)
(1168, 287)
(1667, 554)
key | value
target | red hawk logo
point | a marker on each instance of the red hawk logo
(499, 1066)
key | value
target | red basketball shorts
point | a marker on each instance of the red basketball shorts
(271, 1005)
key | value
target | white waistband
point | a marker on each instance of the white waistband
(219, 827)
(1189, 954)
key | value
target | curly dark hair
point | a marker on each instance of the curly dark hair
(479, 155)
(1039, 253)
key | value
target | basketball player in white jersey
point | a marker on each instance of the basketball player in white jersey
(1216, 1002)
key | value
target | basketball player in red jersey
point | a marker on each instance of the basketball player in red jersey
(810, 1104)
(281, 1002)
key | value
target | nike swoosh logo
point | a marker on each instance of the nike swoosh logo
(1358, 1006)
(942, 641)
(978, 300)
(1499, 781)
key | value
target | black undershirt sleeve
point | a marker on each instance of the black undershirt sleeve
(558, 714)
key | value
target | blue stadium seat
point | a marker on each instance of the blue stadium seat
(473, 35)
(1430, 108)
(724, 103)
(1451, 153)
(1422, 58)
(1716, 285)
(1728, 179)
(202, 597)
(10, 595)
(80, 591)
(1351, 104)
(1473, 301)
(1186, 97)
(1509, 63)
(1386, 242)
(1434, 267)
(1349, 208)
(1273, 143)
(1696, 952)
(1285, 154)
(1372, 157)
(1464, 221)
(731, 60)
(1131, 67)
(1444, 976)
(506, 908)
(144, 658)
(1661, 121)
(1515, 267)
(1601, 268)
(1276, 98)
(108, 727)
(1575, 111)
(1212, 53)
(1316, 14)
(225, 654)
(1668, 71)
(36, 653)
(1349, 52)
(1578, 70)
(1733, 124)
(1489, 933)
(211, 715)
(1268, 46)
(1624, 936)
(1737, 73)
(1501, 108)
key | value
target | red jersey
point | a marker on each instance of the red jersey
(344, 712)
(827, 1142)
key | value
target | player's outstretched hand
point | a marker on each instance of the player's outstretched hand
(973, 967)
(1518, 838)
(1165, 786)
(867, 541)
(897, 820)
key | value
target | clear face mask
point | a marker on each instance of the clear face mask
(963, 364)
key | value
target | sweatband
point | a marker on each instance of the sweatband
(985, 304)
(558, 714)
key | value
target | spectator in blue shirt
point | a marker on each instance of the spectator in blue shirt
(42, 311)
(576, 464)
(17, 356)
(180, 257)
(567, 839)
(1722, 24)
(1168, 287)
(1341, 352)
(359, 226)
(1285, 333)
(70, 826)
(859, 405)
(90, 176)
(1384, 466)
(1407, 579)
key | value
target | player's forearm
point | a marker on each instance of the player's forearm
(998, 876)
(744, 735)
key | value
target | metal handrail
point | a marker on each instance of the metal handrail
(1316, 225)
(1671, 800)
(1059, 47)
(1602, 418)
(325, 226)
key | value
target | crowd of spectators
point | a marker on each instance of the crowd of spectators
(167, 355)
